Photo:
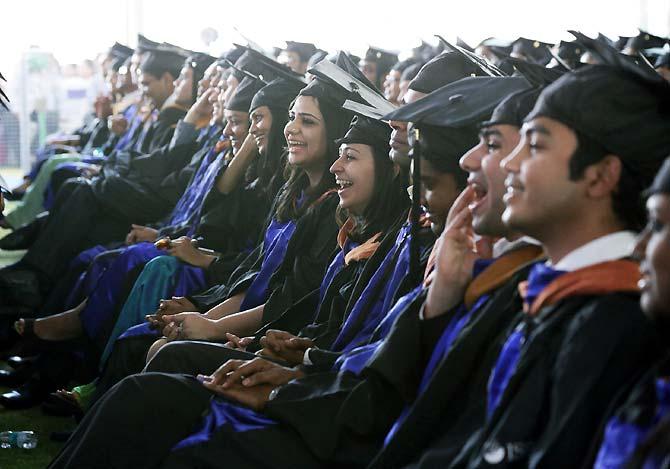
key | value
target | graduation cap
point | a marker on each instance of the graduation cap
(464, 102)
(604, 39)
(4, 187)
(531, 50)
(443, 69)
(305, 50)
(537, 75)
(514, 108)
(230, 56)
(569, 53)
(423, 52)
(411, 72)
(608, 55)
(368, 131)
(266, 68)
(622, 41)
(403, 64)
(317, 57)
(500, 48)
(277, 94)
(244, 94)
(480, 62)
(645, 40)
(620, 107)
(144, 44)
(361, 96)
(464, 45)
(157, 61)
(119, 54)
(383, 58)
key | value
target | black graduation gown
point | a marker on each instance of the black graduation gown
(453, 404)
(91, 212)
(579, 354)
(307, 255)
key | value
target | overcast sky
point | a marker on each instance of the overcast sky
(77, 29)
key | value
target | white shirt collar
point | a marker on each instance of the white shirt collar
(606, 248)
(503, 245)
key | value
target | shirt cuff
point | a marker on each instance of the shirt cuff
(305, 358)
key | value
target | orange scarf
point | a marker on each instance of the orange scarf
(361, 252)
(598, 279)
(501, 270)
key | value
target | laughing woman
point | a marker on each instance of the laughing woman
(373, 200)
(297, 245)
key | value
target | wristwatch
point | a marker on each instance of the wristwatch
(273, 394)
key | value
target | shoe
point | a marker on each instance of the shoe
(25, 236)
(16, 362)
(12, 379)
(29, 395)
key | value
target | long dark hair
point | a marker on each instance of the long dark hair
(337, 122)
(389, 200)
(267, 171)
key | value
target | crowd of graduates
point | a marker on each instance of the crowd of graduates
(310, 259)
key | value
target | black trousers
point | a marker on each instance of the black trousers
(139, 421)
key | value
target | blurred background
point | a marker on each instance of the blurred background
(50, 50)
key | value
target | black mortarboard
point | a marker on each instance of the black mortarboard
(199, 61)
(362, 97)
(570, 52)
(537, 75)
(304, 49)
(611, 56)
(461, 43)
(119, 50)
(384, 60)
(624, 110)
(604, 39)
(380, 56)
(266, 68)
(621, 42)
(532, 50)
(324, 88)
(317, 57)
(403, 64)
(464, 102)
(158, 61)
(411, 72)
(480, 62)
(230, 56)
(277, 94)
(144, 44)
(246, 65)
(661, 184)
(443, 69)
(276, 51)
(367, 131)
(645, 40)
(514, 108)
(244, 94)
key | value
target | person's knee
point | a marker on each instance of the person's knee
(167, 358)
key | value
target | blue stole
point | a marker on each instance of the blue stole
(189, 207)
(398, 254)
(621, 439)
(460, 318)
(277, 237)
(539, 277)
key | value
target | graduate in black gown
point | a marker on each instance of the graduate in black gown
(636, 434)
(297, 247)
(582, 337)
(89, 212)
(318, 440)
